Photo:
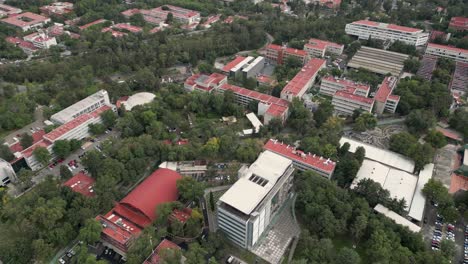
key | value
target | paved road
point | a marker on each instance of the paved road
(212, 223)
(43, 173)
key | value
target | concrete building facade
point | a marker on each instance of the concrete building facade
(330, 84)
(365, 29)
(247, 208)
(347, 100)
(448, 52)
(317, 48)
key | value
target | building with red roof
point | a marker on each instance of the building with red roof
(124, 223)
(317, 48)
(364, 29)
(81, 183)
(449, 52)
(180, 14)
(278, 54)
(435, 34)
(119, 30)
(303, 80)
(301, 160)
(384, 99)
(181, 215)
(41, 40)
(268, 106)
(231, 19)
(26, 46)
(26, 21)
(330, 84)
(266, 80)
(6, 10)
(86, 26)
(459, 23)
(205, 83)
(236, 64)
(57, 9)
(347, 100)
(211, 20)
(158, 252)
(332, 4)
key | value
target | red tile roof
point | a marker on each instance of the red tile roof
(349, 95)
(387, 26)
(29, 151)
(459, 23)
(138, 209)
(297, 52)
(130, 12)
(347, 83)
(321, 44)
(67, 127)
(21, 43)
(450, 134)
(133, 29)
(233, 63)
(99, 21)
(19, 20)
(155, 258)
(81, 183)
(299, 156)
(445, 47)
(297, 84)
(37, 136)
(158, 188)
(385, 89)
(274, 47)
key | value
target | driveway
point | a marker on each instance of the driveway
(38, 123)
(42, 174)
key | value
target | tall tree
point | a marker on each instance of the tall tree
(26, 140)
(190, 189)
(42, 155)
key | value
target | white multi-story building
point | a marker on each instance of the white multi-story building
(346, 101)
(330, 85)
(41, 40)
(254, 68)
(7, 173)
(247, 208)
(77, 128)
(317, 48)
(87, 105)
(449, 52)
(364, 29)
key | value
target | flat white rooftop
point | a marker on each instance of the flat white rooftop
(400, 184)
(397, 218)
(242, 64)
(255, 183)
(256, 123)
(419, 200)
(465, 157)
(383, 156)
(254, 63)
(66, 114)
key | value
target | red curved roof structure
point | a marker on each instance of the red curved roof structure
(160, 187)
(137, 210)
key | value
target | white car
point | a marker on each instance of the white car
(62, 261)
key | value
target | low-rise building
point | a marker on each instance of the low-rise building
(303, 80)
(87, 105)
(269, 107)
(7, 174)
(248, 207)
(195, 169)
(157, 256)
(122, 225)
(26, 21)
(348, 100)
(330, 84)
(378, 61)
(121, 29)
(365, 29)
(301, 160)
(57, 9)
(26, 46)
(251, 70)
(449, 52)
(6, 10)
(97, 22)
(279, 54)
(317, 48)
(384, 99)
(41, 40)
(180, 14)
(81, 183)
(205, 83)
(234, 67)
(459, 23)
